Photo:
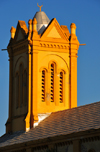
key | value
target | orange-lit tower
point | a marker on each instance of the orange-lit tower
(43, 71)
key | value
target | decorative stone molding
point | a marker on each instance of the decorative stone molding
(23, 150)
(64, 143)
(89, 139)
(44, 147)
(20, 48)
(53, 46)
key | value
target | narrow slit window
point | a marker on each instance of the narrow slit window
(43, 85)
(21, 84)
(17, 90)
(52, 82)
(61, 88)
(25, 88)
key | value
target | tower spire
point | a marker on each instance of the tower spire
(39, 6)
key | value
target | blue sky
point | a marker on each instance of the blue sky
(85, 14)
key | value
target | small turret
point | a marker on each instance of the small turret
(30, 25)
(13, 30)
(34, 25)
(73, 28)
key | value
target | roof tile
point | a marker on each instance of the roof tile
(59, 123)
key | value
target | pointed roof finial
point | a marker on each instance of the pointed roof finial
(39, 6)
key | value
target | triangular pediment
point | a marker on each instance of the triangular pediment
(55, 32)
(19, 35)
(21, 31)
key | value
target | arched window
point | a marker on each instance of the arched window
(43, 85)
(25, 88)
(52, 81)
(21, 85)
(61, 78)
(17, 90)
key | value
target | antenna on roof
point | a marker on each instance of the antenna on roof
(39, 6)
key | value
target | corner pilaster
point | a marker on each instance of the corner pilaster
(76, 146)
(27, 120)
(74, 45)
(9, 121)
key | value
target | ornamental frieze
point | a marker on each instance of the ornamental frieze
(19, 48)
(54, 46)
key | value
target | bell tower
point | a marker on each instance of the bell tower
(43, 71)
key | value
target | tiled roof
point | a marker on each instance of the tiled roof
(59, 123)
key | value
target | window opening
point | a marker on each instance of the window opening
(21, 84)
(52, 82)
(61, 87)
(17, 90)
(25, 88)
(43, 85)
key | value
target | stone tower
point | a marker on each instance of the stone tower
(43, 71)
